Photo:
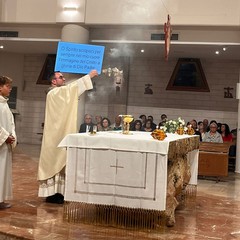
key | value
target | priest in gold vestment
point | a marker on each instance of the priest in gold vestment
(60, 120)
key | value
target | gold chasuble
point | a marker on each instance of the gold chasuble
(60, 120)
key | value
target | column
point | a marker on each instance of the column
(76, 34)
(237, 167)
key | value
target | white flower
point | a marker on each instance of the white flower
(182, 121)
(171, 126)
(163, 128)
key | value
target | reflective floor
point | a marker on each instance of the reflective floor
(214, 215)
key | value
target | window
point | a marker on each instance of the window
(188, 75)
(47, 70)
(12, 102)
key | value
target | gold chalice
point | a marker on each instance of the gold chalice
(127, 119)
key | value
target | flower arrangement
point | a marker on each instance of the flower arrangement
(171, 126)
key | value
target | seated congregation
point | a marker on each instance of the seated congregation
(213, 132)
(208, 132)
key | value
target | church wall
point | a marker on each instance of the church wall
(154, 12)
(32, 104)
(28, 11)
(24, 71)
(220, 74)
(11, 65)
(188, 105)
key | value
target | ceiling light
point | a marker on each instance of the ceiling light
(1, 46)
(217, 52)
(142, 50)
(70, 8)
(224, 49)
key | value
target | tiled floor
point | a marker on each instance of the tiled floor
(214, 215)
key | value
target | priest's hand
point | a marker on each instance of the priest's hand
(93, 73)
(10, 140)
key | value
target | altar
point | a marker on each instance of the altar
(113, 178)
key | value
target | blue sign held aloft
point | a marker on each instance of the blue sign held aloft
(79, 58)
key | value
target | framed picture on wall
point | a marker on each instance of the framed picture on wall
(47, 70)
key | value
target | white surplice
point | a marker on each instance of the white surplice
(60, 120)
(7, 127)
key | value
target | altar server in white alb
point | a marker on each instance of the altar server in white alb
(60, 120)
(7, 142)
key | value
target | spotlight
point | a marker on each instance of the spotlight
(217, 52)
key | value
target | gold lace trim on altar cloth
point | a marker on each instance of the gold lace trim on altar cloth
(181, 147)
(122, 217)
(108, 215)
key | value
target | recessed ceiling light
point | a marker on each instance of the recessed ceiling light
(70, 8)
(142, 50)
(224, 49)
(217, 52)
(1, 46)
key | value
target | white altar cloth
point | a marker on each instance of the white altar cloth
(111, 168)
